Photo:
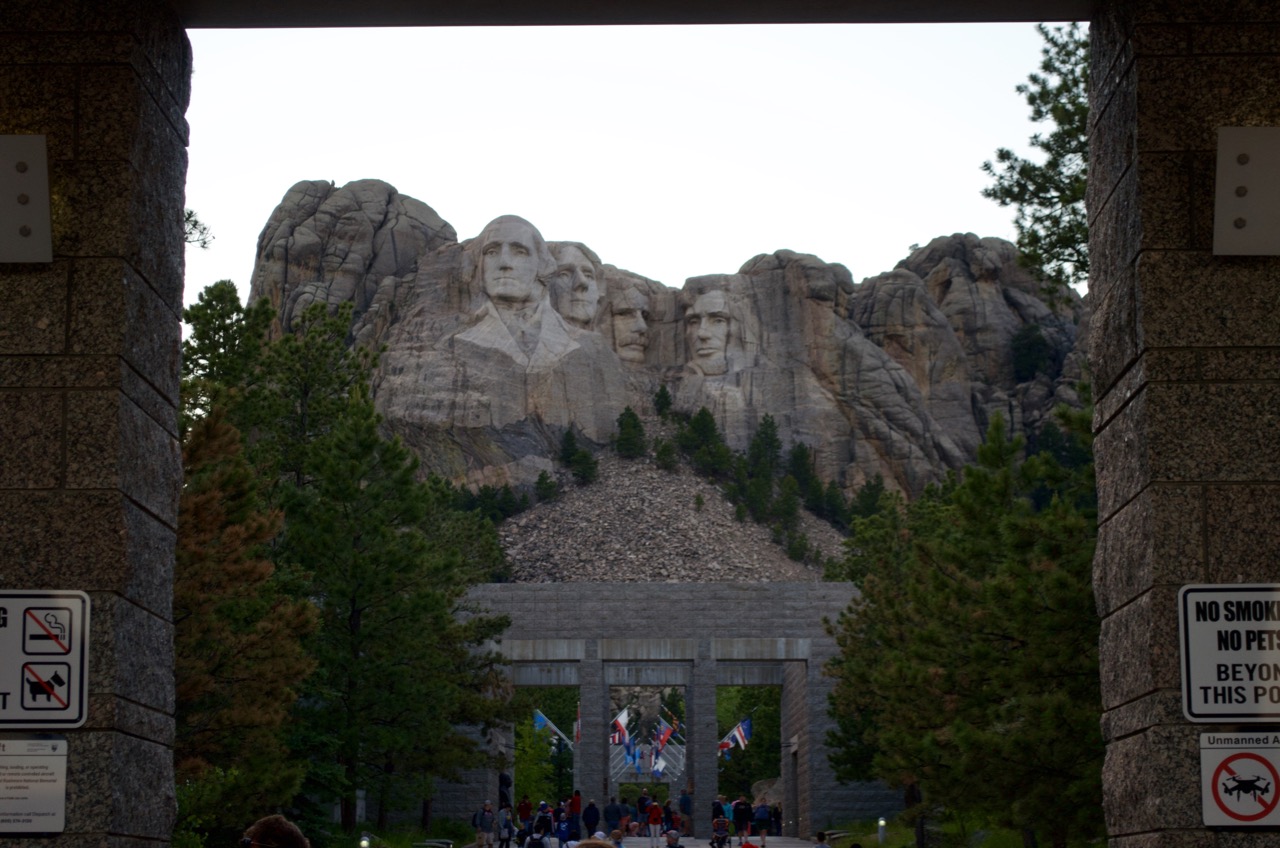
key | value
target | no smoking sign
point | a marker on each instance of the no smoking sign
(1240, 779)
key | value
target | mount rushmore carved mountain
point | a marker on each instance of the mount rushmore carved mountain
(496, 345)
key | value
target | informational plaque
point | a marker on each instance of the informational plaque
(33, 784)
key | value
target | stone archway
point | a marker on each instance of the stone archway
(597, 635)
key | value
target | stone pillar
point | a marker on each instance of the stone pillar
(701, 762)
(91, 470)
(795, 759)
(1186, 376)
(590, 761)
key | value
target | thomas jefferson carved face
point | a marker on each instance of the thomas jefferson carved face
(630, 325)
(707, 333)
(509, 263)
(577, 293)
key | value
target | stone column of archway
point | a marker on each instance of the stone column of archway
(701, 763)
(590, 756)
(1186, 377)
(89, 379)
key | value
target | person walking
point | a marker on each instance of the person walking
(685, 803)
(763, 820)
(484, 821)
(506, 826)
(742, 818)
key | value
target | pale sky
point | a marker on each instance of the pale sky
(671, 151)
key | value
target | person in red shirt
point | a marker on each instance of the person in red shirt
(655, 823)
(525, 811)
(575, 810)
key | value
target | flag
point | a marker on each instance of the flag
(664, 732)
(540, 721)
(620, 725)
(725, 744)
(676, 724)
(659, 765)
(577, 725)
(742, 733)
(615, 738)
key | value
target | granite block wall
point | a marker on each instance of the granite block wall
(1185, 377)
(90, 473)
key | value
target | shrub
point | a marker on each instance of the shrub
(545, 487)
(665, 453)
(584, 467)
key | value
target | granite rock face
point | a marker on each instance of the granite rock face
(495, 346)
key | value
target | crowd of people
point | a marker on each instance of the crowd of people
(621, 823)
(573, 824)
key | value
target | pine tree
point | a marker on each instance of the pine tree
(835, 508)
(584, 467)
(568, 447)
(238, 656)
(701, 440)
(1053, 230)
(764, 452)
(969, 662)
(630, 443)
(662, 401)
(303, 386)
(378, 555)
(362, 528)
(220, 350)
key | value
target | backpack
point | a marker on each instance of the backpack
(536, 841)
(475, 819)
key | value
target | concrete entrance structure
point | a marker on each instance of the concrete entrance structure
(1186, 369)
(596, 635)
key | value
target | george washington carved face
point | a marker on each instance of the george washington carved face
(509, 262)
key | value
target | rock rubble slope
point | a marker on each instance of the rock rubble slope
(638, 523)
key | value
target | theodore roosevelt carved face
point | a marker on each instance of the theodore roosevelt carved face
(629, 312)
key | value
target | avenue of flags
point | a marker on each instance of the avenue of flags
(661, 736)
